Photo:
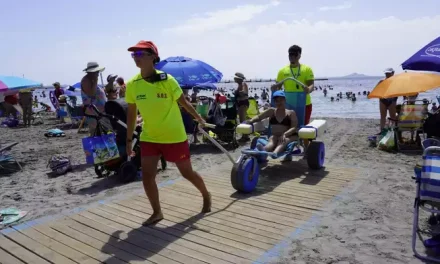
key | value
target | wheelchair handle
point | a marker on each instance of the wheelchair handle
(291, 79)
(98, 115)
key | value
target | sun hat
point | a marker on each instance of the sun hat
(239, 75)
(279, 94)
(388, 70)
(93, 67)
(145, 44)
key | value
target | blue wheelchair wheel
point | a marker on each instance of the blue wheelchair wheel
(316, 155)
(244, 176)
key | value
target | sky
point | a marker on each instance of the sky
(52, 40)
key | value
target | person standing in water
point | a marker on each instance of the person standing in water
(242, 99)
(91, 93)
(156, 95)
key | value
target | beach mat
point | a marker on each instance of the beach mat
(11, 215)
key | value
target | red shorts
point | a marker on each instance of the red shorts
(173, 152)
(308, 114)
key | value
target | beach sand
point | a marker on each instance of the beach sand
(370, 222)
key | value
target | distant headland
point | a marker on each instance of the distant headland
(356, 75)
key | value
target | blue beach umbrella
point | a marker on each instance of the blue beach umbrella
(189, 72)
(14, 83)
(205, 86)
(426, 59)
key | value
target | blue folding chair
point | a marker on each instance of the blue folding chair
(427, 199)
(6, 157)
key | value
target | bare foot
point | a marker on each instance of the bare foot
(207, 204)
(154, 218)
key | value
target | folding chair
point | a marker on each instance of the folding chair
(6, 156)
(427, 194)
(411, 118)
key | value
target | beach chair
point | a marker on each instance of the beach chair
(253, 110)
(410, 119)
(74, 115)
(6, 157)
(428, 199)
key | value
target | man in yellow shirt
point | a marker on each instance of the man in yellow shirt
(302, 73)
(156, 95)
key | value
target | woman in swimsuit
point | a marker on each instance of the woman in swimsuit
(242, 99)
(91, 93)
(284, 124)
(387, 104)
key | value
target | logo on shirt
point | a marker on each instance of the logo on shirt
(162, 95)
(141, 97)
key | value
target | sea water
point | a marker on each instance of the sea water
(322, 106)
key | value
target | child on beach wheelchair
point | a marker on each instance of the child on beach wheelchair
(285, 143)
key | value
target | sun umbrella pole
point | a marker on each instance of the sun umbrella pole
(102, 80)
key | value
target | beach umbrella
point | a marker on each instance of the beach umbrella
(406, 84)
(14, 83)
(426, 59)
(189, 72)
(205, 86)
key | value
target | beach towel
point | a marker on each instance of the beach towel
(54, 133)
(10, 122)
(100, 149)
(10, 215)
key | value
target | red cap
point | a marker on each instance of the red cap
(144, 44)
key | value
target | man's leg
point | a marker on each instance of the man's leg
(149, 160)
(179, 153)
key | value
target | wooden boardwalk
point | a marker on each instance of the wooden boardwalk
(240, 229)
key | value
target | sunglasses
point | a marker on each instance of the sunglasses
(140, 54)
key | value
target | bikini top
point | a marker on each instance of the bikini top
(285, 122)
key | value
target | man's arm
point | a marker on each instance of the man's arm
(264, 115)
(276, 87)
(293, 125)
(310, 81)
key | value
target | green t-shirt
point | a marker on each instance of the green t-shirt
(303, 73)
(157, 104)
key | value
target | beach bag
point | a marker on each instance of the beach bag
(388, 142)
(59, 165)
(10, 122)
(100, 148)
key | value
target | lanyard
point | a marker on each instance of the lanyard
(297, 74)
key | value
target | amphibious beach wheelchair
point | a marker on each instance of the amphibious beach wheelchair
(126, 167)
(246, 170)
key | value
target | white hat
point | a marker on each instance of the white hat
(388, 70)
(93, 67)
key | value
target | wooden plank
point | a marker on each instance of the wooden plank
(248, 201)
(201, 237)
(20, 252)
(105, 247)
(269, 183)
(284, 188)
(306, 206)
(77, 245)
(221, 213)
(7, 258)
(234, 206)
(37, 248)
(122, 219)
(250, 233)
(220, 230)
(130, 243)
(58, 247)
